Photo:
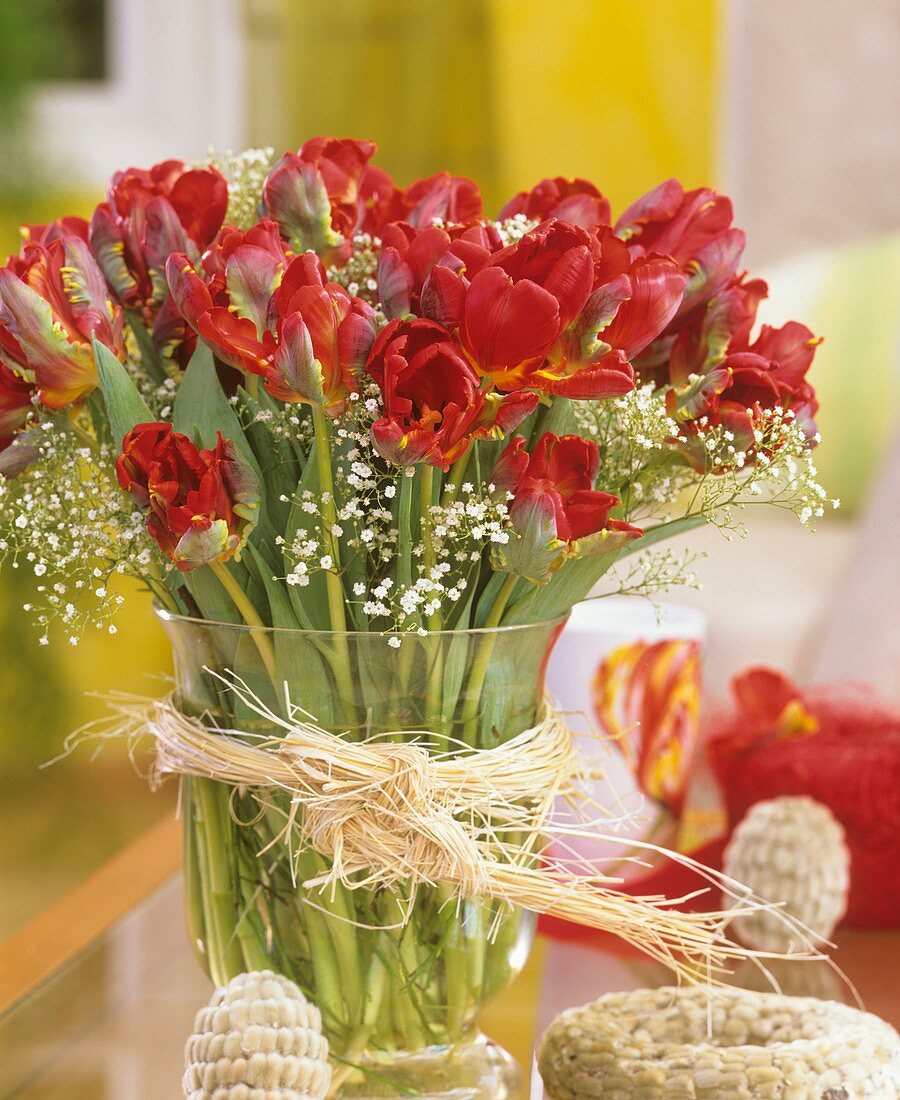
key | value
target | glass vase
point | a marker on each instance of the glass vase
(399, 973)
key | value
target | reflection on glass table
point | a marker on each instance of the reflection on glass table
(110, 1023)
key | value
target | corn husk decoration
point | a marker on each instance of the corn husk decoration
(257, 1039)
(792, 851)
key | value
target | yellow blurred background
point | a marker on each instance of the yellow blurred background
(506, 91)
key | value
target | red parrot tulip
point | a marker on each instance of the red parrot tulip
(53, 299)
(722, 376)
(201, 504)
(434, 406)
(267, 314)
(576, 201)
(150, 213)
(554, 508)
(561, 310)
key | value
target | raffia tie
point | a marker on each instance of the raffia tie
(391, 810)
(384, 810)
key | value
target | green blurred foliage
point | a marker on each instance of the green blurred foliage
(41, 40)
(35, 693)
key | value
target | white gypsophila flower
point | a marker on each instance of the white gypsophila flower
(644, 458)
(74, 530)
(513, 229)
(245, 173)
(653, 572)
(441, 551)
(358, 274)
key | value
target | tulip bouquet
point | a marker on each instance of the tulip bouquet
(293, 397)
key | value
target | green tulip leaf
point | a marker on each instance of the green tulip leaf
(201, 409)
(124, 405)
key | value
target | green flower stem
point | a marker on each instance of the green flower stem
(404, 531)
(249, 614)
(455, 477)
(335, 588)
(329, 998)
(471, 710)
(333, 584)
(385, 1037)
(157, 585)
(344, 937)
(433, 703)
(409, 1016)
(290, 943)
(406, 653)
(250, 931)
(455, 964)
(193, 892)
(214, 848)
(496, 967)
(475, 932)
(397, 1011)
(376, 982)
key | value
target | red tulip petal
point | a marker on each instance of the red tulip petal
(251, 277)
(188, 290)
(234, 339)
(712, 268)
(200, 199)
(570, 282)
(443, 297)
(395, 283)
(792, 347)
(356, 335)
(582, 342)
(662, 202)
(657, 287)
(510, 466)
(588, 512)
(108, 248)
(319, 313)
(296, 197)
(405, 448)
(64, 369)
(583, 210)
(163, 235)
(295, 375)
(507, 324)
(611, 376)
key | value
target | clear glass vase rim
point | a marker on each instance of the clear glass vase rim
(173, 617)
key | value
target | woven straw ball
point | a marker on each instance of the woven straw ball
(654, 1044)
(790, 850)
(257, 1039)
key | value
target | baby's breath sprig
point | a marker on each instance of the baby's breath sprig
(358, 275)
(245, 172)
(514, 228)
(634, 433)
(642, 460)
(437, 575)
(777, 469)
(68, 524)
(653, 573)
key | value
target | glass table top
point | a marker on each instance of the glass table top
(111, 1023)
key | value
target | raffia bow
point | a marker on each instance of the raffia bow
(380, 810)
(479, 820)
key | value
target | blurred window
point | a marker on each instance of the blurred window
(78, 48)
